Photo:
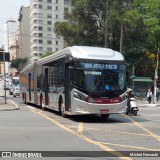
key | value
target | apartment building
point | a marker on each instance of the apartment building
(24, 32)
(43, 15)
(10, 32)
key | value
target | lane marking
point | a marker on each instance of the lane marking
(106, 148)
(144, 129)
(128, 146)
(80, 128)
(14, 104)
(119, 132)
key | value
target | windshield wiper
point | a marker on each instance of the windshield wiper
(100, 80)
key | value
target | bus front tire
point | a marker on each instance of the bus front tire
(62, 110)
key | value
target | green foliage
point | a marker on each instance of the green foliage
(137, 20)
(19, 63)
(46, 54)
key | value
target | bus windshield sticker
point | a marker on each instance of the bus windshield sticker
(107, 87)
(93, 72)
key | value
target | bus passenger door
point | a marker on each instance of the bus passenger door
(29, 85)
(46, 86)
(68, 87)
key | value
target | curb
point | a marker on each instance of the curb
(10, 108)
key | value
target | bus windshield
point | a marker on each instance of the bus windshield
(100, 77)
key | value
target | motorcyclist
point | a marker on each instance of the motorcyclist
(130, 95)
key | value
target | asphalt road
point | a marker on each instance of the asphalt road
(31, 129)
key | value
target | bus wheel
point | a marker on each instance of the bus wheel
(104, 115)
(25, 101)
(63, 110)
(41, 104)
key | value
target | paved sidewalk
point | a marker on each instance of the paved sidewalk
(144, 103)
(8, 106)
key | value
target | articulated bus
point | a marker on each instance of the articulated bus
(77, 80)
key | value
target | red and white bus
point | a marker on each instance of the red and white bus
(77, 80)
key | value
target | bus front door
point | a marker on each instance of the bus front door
(68, 87)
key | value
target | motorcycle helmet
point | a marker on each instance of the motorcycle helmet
(129, 90)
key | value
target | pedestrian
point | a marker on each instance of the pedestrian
(149, 96)
(158, 94)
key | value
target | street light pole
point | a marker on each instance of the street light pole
(155, 78)
(4, 77)
(106, 32)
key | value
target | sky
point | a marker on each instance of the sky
(9, 8)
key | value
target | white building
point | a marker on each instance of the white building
(24, 32)
(43, 15)
(10, 31)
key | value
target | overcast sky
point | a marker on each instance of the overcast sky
(9, 8)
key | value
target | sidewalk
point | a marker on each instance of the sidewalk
(144, 103)
(8, 106)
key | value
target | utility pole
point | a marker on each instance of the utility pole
(4, 77)
(121, 37)
(106, 32)
(133, 76)
(155, 78)
(4, 56)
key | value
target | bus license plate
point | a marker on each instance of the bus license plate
(104, 111)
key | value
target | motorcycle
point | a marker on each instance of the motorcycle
(134, 108)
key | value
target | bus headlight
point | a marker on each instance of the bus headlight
(83, 97)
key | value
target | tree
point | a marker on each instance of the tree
(133, 27)
(46, 54)
(19, 63)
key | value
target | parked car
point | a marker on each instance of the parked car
(16, 90)
(6, 86)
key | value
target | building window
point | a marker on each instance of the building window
(40, 41)
(66, 2)
(40, 21)
(49, 15)
(35, 27)
(56, 16)
(56, 49)
(35, 54)
(49, 29)
(49, 22)
(40, 34)
(39, 0)
(35, 6)
(49, 7)
(49, 35)
(40, 28)
(40, 48)
(49, 1)
(49, 42)
(56, 1)
(40, 6)
(56, 7)
(49, 49)
(35, 41)
(35, 48)
(35, 34)
(35, 21)
(40, 14)
(56, 42)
